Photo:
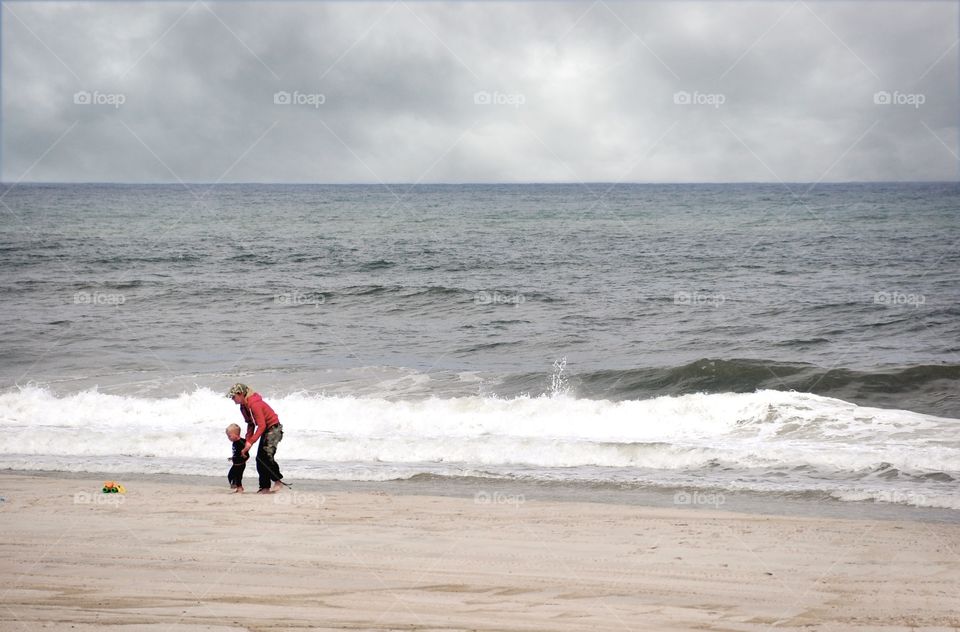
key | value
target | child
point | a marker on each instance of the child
(239, 459)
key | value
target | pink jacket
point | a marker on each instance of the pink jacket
(259, 417)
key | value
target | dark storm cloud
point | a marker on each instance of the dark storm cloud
(407, 91)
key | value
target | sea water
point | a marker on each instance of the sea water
(781, 339)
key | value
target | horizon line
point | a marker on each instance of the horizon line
(478, 183)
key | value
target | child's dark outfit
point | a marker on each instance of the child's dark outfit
(235, 475)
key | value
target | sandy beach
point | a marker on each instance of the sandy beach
(170, 556)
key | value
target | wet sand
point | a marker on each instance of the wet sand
(173, 556)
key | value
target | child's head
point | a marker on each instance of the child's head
(233, 432)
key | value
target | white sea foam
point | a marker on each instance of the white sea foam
(795, 434)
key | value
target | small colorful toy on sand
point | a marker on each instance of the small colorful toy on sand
(111, 487)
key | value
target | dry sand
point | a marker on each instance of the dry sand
(177, 557)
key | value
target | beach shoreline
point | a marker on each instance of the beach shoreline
(800, 505)
(187, 555)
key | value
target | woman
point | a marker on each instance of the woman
(263, 425)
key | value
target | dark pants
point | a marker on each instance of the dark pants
(235, 475)
(267, 467)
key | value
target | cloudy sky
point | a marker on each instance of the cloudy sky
(403, 91)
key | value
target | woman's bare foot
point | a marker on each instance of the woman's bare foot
(238, 490)
(265, 490)
(278, 485)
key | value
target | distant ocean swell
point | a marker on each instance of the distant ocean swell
(932, 389)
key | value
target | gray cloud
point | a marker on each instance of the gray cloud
(577, 91)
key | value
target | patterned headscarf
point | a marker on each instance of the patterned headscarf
(238, 389)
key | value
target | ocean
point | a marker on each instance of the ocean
(792, 340)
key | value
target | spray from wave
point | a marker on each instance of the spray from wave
(925, 388)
